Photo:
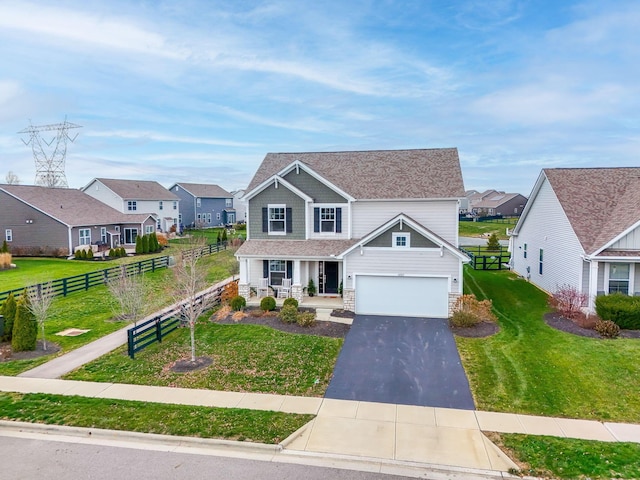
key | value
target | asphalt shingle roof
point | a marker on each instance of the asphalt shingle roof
(378, 174)
(204, 190)
(600, 203)
(294, 248)
(70, 206)
(138, 189)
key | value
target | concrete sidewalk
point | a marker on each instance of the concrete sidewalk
(362, 430)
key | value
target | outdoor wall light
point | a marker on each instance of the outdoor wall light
(29, 220)
(455, 280)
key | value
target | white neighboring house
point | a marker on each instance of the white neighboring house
(137, 196)
(380, 226)
(240, 205)
(581, 227)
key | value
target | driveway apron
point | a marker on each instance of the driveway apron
(403, 360)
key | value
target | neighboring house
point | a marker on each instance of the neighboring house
(204, 205)
(133, 197)
(581, 228)
(380, 226)
(492, 202)
(55, 221)
(240, 205)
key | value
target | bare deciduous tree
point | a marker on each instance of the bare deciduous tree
(40, 300)
(190, 279)
(130, 293)
(12, 178)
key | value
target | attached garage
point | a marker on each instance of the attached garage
(407, 296)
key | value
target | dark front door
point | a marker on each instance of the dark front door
(328, 275)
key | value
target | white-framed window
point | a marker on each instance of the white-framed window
(208, 217)
(327, 219)
(85, 236)
(401, 240)
(198, 202)
(148, 229)
(540, 261)
(130, 235)
(199, 217)
(158, 224)
(228, 202)
(8, 235)
(160, 205)
(218, 216)
(277, 271)
(175, 205)
(132, 205)
(180, 218)
(619, 278)
(277, 219)
(103, 235)
(524, 251)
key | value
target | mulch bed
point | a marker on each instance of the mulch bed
(321, 328)
(6, 354)
(185, 365)
(554, 320)
(481, 330)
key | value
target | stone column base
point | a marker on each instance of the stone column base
(349, 299)
(244, 290)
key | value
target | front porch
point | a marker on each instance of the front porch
(323, 302)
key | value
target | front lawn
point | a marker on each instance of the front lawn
(149, 417)
(532, 368)
(246, 358)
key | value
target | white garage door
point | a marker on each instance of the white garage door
(402, 296)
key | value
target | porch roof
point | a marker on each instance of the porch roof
(294, 248)
(620, 253)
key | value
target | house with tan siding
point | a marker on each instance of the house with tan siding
(380, 227)
(581, 228)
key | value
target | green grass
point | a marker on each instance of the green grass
(478, 229)
(149, 417)
(93, 309)
(531, 368)
(572, 458)
(246, 358)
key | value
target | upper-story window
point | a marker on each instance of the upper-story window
(327, 219)
(228, 202)
(8, 235)
(540, 261)
(198, 202)
(160, 204)
(175, 205)
(524, 251)
(277, 219)
(401, 240)
(132, 205)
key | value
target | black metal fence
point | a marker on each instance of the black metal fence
(483, 259)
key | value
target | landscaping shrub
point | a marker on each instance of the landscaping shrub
(238, 303)
(123, 252)
(89, 254)
(145, 244)
(290, 301)
(493, 244)
(5, 247)
(469, 311)
(138, 245)
(229, 291)
(25, 328)
(112, 252)
(621, 309)
(163, 241)
(5, 260)
(568, 301)
(9, 312)
(306, 319)
(289, 314)
(311, 288)
(607, 328)
(268, 304)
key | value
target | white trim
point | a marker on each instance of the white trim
(283, 206)
(297, 164)
(396, 235)
(8, 235)
(280, 181)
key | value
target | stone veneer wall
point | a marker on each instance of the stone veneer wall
(349, 299)
(296, 292)
(452, 301)
(244, 290)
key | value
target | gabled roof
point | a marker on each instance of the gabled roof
(204, 190)
(71, 207)
(378, 174)
(601, 204)
(314, 248)
(495, 200)
(136, 189)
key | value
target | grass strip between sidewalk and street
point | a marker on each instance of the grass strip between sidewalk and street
(552, 457)
(148, 417)
(531, 368)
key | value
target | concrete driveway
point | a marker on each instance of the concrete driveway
(402, 360)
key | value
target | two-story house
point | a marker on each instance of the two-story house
(203, 205)
(135, 197)
(379, 226)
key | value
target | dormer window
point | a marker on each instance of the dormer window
(401, 240)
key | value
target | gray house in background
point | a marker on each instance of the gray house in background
(204, 205)
(38, 220)
(492, 202)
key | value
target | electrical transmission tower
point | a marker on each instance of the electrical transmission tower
(50, 166)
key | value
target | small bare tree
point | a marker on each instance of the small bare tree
(130, 293)
(40, 300)
(190, 278)
(11, 178)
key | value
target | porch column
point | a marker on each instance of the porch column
(296, 287)
(244, 288)
(593, 284)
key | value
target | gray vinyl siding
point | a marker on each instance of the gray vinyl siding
(282, 196)
(385, 239)
(402, 262)
(546, 227)
(439, 216)
(513, 206)
(43, 232)
(314, 188)
(631, 241)
(186, 205)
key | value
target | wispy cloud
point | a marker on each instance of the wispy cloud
(166, 138)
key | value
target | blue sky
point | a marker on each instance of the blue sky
(200, 91)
